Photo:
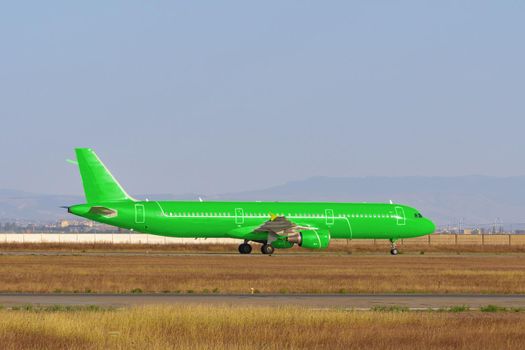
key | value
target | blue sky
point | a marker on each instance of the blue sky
(212, 97)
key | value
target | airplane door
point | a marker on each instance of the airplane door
(401, 218)
(329, 214)
(140, 214)
(239, 216)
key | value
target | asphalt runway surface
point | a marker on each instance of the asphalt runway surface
(235, 253)
(348, 301)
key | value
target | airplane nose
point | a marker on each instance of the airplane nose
(430, 227)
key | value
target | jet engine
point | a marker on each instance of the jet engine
(310, 239)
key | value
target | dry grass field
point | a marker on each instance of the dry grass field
(219, 273)
(179, 327)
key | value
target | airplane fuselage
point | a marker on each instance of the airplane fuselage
(240, 219)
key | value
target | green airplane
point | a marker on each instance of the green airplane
(273, 224)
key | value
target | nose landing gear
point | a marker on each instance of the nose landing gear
(393, 249)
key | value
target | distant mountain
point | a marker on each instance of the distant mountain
(474, 199)
(18, 205)
(29, 207)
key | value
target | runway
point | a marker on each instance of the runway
(346, 301)
(208, 254)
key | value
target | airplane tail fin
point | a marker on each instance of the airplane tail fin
(99, 184)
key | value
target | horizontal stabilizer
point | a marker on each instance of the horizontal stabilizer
(103, 211)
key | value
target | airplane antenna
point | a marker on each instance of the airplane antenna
(200, 199)
(391, 202)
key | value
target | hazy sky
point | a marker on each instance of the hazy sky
(219, 96)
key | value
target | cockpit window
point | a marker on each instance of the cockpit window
(418, 215)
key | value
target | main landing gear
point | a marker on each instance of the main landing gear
(245, 248)
(267, 249)
(393, 251)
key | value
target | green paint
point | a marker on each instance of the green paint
(99, 185)
(319, 222)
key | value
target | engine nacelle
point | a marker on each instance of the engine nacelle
(282, 244)
(311, 239)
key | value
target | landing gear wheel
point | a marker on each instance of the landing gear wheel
(393, 251)
(245, 248)
(267, 249)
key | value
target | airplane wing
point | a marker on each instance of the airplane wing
(281, 226)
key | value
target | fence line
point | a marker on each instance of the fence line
(454, 239)
(114, 238)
